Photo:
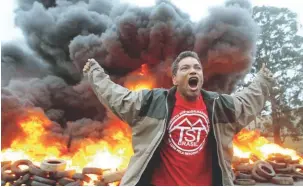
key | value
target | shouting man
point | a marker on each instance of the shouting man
(182, 136)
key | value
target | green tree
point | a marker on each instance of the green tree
(281, 48)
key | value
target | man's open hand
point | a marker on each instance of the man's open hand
(89, 64)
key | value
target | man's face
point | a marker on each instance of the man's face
(189, 78)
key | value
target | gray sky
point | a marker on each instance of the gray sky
(196, 9)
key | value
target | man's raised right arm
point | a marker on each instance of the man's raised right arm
(123, 102)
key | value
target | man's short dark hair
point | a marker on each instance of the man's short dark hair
(181, 56)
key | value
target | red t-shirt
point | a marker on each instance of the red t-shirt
(185, 158)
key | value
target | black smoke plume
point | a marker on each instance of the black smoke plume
(62, 34)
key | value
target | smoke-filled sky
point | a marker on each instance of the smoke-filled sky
(9, 32)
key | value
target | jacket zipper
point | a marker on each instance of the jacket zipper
(212, 117)
(157, 144)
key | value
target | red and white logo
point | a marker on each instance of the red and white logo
(188, 131)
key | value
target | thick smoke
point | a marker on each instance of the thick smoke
(17, 61)
(63, 34)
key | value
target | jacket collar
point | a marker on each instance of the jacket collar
(207, 95)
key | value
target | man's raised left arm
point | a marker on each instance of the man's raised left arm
(251, 100)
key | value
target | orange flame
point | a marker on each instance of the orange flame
(112, 152)
(140, 80)
(247, 142)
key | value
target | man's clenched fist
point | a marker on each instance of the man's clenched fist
(89, 64)
(266, 72)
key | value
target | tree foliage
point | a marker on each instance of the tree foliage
(281, 48)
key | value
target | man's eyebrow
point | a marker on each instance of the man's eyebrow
(184, 65)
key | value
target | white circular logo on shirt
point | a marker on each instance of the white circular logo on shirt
(188, 131)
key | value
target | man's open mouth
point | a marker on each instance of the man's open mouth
(193, 82)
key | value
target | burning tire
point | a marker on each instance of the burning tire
(82, 177)
(298, 169)
(53, 165)
(36, 183)
(244, 167)
(3, 163)
(62, 174)
(113, 177)
(7, 174)
(44, 180)
(279, 157)
(265, 170)
(90, 170)
(19, 171)
(253, 157)
(297, 161)
(238, 160)
(286, 170)
(255, 175)
(76, 183)
(241, 175)
(297, 177)
(64, 181)
(245, 182)
(22, 180)
(277, 165)
(35, 170)
(283, 180)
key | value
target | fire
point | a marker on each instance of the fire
(247, 142)
(111, 153)
(140, 80)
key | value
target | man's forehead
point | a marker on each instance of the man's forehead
(189, 61)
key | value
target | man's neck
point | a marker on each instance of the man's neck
(188, 99)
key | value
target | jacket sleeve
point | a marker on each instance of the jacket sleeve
(126, 104)
(250, 101)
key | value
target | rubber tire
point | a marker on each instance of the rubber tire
(76, 183)
(256, 176)
(264, 173)
(62, 174)
(244, 167)
(238, 160)
(92, 170)
(35, 170)
(278, 157)
(245, 182)
(80, 176)
(36, 183)
(277, 165)
(287, 170)
(297, 177)
(44, 180)
(64, 181)
(22, 180)
(253, 158)
(294, 161)
(241, 175)
(8, 176)
(298, 166)
(3, 163)
(53, 165)
(17, 170)
(282, 180)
